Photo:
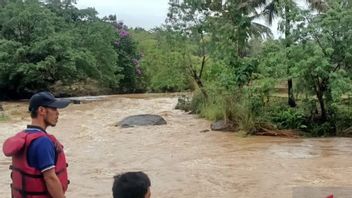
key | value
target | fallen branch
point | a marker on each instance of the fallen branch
(280, 133)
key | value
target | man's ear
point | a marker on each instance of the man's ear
(41, 110)
(148, 194)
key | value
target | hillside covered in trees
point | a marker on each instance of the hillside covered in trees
(53, 44)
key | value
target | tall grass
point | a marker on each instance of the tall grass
(237, 107)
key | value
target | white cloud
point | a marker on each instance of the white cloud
(134, 13)
(146, 13)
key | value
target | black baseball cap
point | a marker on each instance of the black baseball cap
(46, 99)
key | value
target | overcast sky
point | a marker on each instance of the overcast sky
(134, 13)
(142, 13)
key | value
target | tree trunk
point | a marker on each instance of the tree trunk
(319, 90)
(200, 84)
(291, 97)
(320, 96)
(198, 77)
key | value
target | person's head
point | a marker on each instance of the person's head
(131, 185)
(43, 108)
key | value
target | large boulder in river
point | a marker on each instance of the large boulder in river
(141, 120)
(223, 125)
(184, 103)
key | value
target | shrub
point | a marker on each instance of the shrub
(286, 117)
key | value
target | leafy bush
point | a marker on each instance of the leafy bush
(343, 119)
(241, 108)
(286, 117)
(320, 129)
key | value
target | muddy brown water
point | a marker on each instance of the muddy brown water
(181, 160)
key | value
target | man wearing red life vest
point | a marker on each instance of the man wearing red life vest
(39, 168)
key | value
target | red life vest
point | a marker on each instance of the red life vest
(28, 182)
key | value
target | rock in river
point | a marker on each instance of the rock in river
(141, 120)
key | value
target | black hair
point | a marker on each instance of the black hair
(34, 113)
(131, 185)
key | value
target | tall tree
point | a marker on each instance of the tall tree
(327, 47)
(188, 18)
(288, 11)
(222, 29)
(40, 48)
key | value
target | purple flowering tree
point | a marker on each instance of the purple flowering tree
(128, 57)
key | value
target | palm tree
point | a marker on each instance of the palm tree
(194, 16)
(283, 9)
(236, 22)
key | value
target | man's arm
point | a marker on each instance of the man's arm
(53, 184)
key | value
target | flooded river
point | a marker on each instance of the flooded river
(181, 160)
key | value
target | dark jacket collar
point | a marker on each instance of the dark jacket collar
(36, 127)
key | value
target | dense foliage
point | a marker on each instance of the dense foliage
(245, 67)
(45, 45)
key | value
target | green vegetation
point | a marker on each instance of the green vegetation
(163, 60)
(233, 65)
(244, 65)
(52, 43)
